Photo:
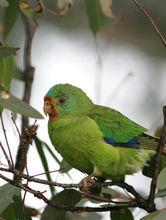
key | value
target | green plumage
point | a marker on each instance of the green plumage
(79, 129)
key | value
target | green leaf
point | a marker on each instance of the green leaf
(31, 10)
(6, 71)
(15, 210)
(121, 214)
(68, 197)
(10, 16)
(64, 166)
(85, 216)
(95, 16)
(7, 193)
(4, 3)
(148, 170)
(7, 66)
(14, 104)
(158, 215)
(161, 180)
(51, 153)
(7, 51)
(18, 74)
(115, 195)
(9, 213)
(39, 147)
(160, 193)
(20, 213)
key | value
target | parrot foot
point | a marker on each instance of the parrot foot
(87, 183)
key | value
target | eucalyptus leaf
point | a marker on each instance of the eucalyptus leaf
(7, 51)
(96, 18)
(121, 214)
(15, 210)
(148, 170)
(64, 166)
(14, 104)
(160, 193)
(158, 215)
(161, 180)
(18, 74)
(68, 197)
(10, 16)
(115, 195)
(9, 213)
(51, 153)
(39, 147)
(7, 193)
(7, 67)
(85, 216)
(18, 207)
(30, 10)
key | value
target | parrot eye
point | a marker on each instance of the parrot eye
(62, 100)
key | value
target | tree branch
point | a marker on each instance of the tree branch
(26, 139)
(157, 160)
(40, 195)
(30, 29)
(158, 32)
(139, 201)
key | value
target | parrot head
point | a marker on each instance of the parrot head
(66, 100)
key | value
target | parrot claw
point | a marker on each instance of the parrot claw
(86, 183)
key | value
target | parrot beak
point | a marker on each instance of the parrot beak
(46, 109)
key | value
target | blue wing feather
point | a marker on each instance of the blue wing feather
(133, 143)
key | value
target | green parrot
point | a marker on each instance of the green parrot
(94, 139)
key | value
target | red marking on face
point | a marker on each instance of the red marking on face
(48, 99)
(50, 108)
(53, 112)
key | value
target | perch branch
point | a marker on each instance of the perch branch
(158, 32)
(139, 201)
(40, 195)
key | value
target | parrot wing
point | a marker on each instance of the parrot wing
(118, 130)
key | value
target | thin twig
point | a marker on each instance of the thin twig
(12, 117)
(151, 21)
(7, 143)
(24, 196)
(157, 160)
(5, 154)
(44, 173)
(103, 199)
